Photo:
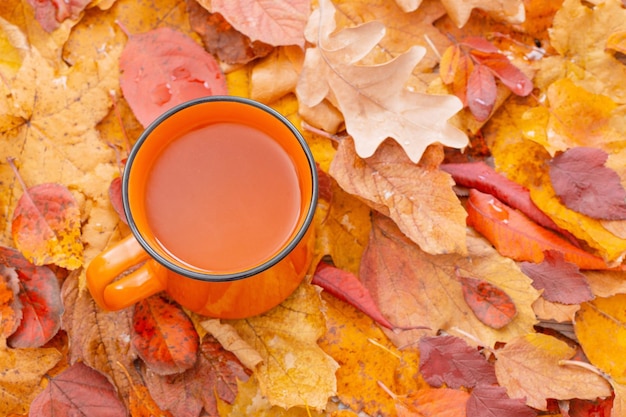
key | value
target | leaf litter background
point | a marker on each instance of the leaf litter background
(440, 286)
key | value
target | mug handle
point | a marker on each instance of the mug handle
(148, 279)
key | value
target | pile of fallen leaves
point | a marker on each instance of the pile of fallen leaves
(470, 230)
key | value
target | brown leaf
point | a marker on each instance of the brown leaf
(78, 390)
(372, 99)
(164, 336)
(214, 376)
(490, 304)
(584, 184)
(529, 367)
(418, 199)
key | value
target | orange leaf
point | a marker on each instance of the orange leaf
(517, 237)
(440, 402)
(10, 306)
(617, 42)
(46, 225)
(490, 304)
(449, 63)
(164, 336)
(481, 92)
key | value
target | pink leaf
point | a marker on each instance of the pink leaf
(51, 13)
(481, 92)
(163, 68)
(449, 360)
(585, 185)
(561, 281)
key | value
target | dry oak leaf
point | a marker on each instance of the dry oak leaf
(600, 327)
(372, 98)
(414, 288)
(275, 22)
(529, 366)
(419, 199)
(294, 371)
(511, 11)
(21, 371)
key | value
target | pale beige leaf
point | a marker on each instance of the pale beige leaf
(231, 341)
(546, 310)
(295, 371)
(511, 11)
(420, 200)
(529, 367)
(372, 98)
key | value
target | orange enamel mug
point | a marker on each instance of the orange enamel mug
(219, 193)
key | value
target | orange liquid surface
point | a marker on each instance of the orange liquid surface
(223, 198)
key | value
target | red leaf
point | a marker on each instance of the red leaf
(481, 92)
(347, 287)
(493, 401)
(585, 185)
(164, 336)
(482, 177)
(78, 391)
(216, 373)
(561, 281)
(51, 13)
(40, 296)
(479, 44)
(115, 196)
(163, 68)
(491, 305)
(586, 408)
(449, 360)
(509, 74)
(519, 238)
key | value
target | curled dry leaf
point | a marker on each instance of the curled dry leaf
(181, 70)
(374, 103)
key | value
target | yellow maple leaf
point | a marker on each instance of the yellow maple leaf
(372, 98)
(295, 371)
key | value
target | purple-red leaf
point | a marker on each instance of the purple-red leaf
(585, 185)
(164, 336)
(449, 360)
(490, 304)
(493, 401)
(481, 92)
(561, 281)
(51, 13)
(115, 196)
(40, 296)
(507, 73)
(78, 391)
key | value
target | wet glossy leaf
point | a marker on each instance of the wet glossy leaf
(481, 92)
(164, 336)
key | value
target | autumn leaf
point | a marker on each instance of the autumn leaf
(599, 326)
(529, 367)
(215, 375)
(21, 372)
(459, 11)
(163, 336)
(10, 305)
(78, 390)
(490, 304)
(449, 360)
(115, 195)
(180, 70)
(445, 402)
(481, 92)
(560, 281)
(493, 400)
(413, 288)
(373, 102)
(294, 371)
(51, 13)
(40, 300)
(419, 199)
(275, 22)
(584, 184)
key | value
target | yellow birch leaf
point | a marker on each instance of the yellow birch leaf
(295, 371)
(378, 360)
(13, 45)
(600, 327)
(617, 42)
(529, 366)
(21, 371)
